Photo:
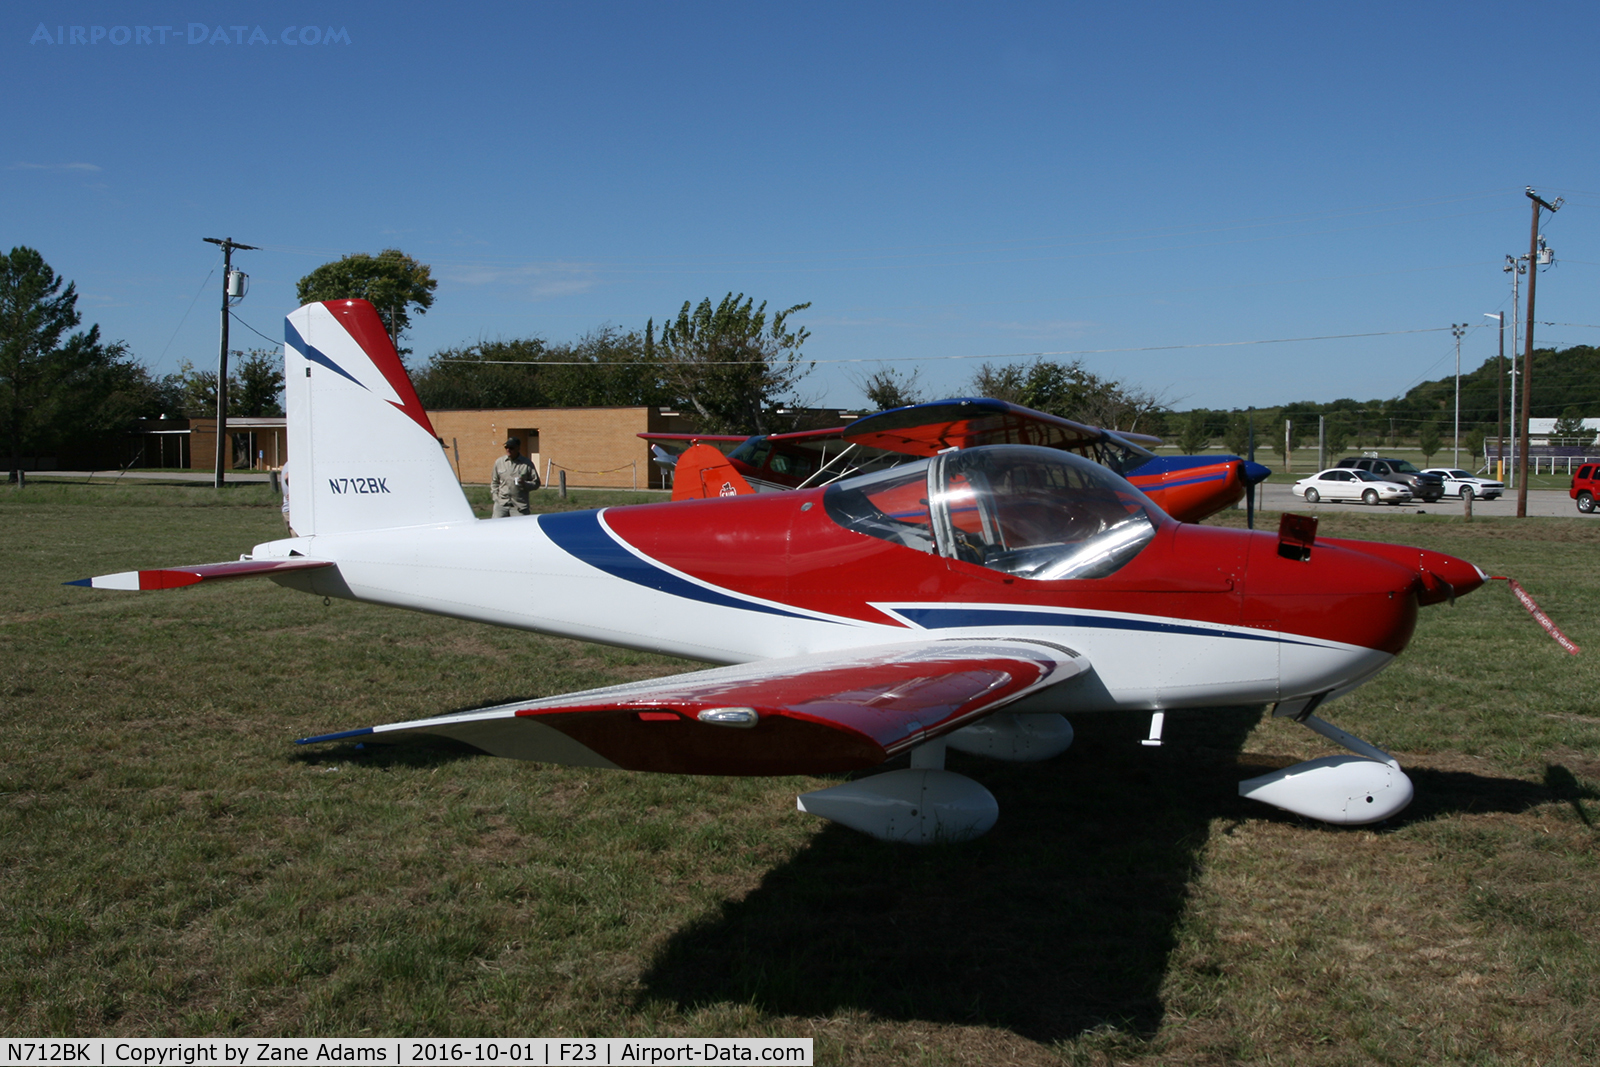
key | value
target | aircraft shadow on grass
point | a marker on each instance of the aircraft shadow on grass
(1060, 920)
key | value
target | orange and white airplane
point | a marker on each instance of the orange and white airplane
(1189, 488)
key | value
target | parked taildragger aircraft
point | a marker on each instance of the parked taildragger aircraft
(964, 600)
(1188, 488)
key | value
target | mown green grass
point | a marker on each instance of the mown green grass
(174, 865)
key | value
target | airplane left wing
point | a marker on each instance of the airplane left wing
(194, 574)
(820, 713)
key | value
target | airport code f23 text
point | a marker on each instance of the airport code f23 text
(193, 33)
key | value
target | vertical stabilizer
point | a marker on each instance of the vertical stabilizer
(362, 453)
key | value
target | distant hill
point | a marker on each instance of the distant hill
(1562, 379)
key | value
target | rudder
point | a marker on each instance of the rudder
(362, 453)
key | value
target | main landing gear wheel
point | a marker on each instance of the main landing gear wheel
(1353, 790)
(1370, 496)
(1312, 496)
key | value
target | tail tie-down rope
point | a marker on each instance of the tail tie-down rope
(1538, 615)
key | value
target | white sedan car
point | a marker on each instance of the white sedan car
(1344, 483)
(1458, 482)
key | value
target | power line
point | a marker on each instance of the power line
(186, 311)
(988, 355)
(255, 331)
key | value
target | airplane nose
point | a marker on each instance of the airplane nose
(1443, 577)
(1458, 575)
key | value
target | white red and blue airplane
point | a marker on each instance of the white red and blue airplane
(965, 600)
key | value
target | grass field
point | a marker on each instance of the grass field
(173, 865)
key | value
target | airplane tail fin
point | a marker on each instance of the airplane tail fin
(703, 472)
(362, 453)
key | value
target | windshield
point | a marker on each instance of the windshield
(1366, 476)
(1033, 512)
(1403, 466)
(753, 451)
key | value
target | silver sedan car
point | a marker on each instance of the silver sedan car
(1344, 483)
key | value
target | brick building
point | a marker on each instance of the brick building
(597, 447)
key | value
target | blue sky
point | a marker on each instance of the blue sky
(941, 181)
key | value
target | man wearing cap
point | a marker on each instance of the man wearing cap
(512, 478)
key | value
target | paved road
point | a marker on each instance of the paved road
(1540, 502)
(163, 476)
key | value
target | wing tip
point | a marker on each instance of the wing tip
(342, 735)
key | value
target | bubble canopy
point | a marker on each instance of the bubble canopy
(1036, 513)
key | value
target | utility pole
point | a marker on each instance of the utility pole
(1516, 268)
(1500, 397)
(1458, 329)
(228, 244)
(1534, 259)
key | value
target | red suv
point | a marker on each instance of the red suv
(1586, 487)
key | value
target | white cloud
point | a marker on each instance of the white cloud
(1046, 328)
(54, 166)
(540, 281)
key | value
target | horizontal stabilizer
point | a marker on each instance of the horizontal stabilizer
(176, 577)
(831, 711)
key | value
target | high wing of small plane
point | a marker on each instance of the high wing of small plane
(1189, 488)
(965, 599)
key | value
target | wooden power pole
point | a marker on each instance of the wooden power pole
(1527, 352)
(228, 245)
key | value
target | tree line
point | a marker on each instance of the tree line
(731, 362)
(1566, 387)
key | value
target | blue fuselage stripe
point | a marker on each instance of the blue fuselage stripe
(580, 534)
(936, 618)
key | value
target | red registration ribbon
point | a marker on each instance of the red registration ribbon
(1538, 615)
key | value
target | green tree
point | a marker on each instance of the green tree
(1428, 441)
(1194, 436)
(1336, 434)
(489, 374)
(1474, 442)
(51, 382)
(729, 364)
(1237, 435)
(607, 368)
(887, 388)
(1067, 390)
(1570, 426)
(393, 282)
(255, 386)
